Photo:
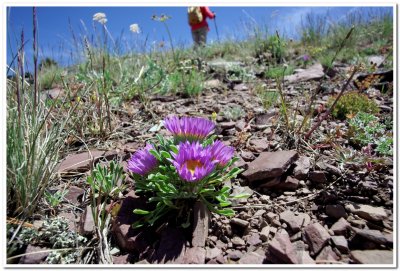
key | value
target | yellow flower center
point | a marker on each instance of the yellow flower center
(192, 165)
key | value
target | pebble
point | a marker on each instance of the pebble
(240, 222)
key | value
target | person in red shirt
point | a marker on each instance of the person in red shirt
(200, 30)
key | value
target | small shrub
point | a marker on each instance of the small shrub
(351, 103)
(366, 129)
(54, 233)
(233, 113)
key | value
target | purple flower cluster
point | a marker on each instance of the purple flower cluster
(193, 162)
(142, 162)
(189, 128)
(221, 153)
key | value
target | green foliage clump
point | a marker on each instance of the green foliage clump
(351, 103)
(54, 233)
(233, 113)
(366, 129)
(49, 76)
(277, 72)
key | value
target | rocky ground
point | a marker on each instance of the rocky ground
(305, 207)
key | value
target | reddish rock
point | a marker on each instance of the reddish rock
(79, 162)
(341, 243)
(121, 259)
(32, 256)
(288, 217)
(212, 253)
(340, 227)
(317, 177)
(227, 125)
(71, 219)
(270, 164)
(367, 212)
(235, 255)
(304, 257)
(194, 255)
(317, 237)
(74, 195)
(254, 239)
(127, 238)
(302, 168)
(289, 184)
(283, 249)
(200, 224)
(336, 211)
(237, 241)
(172, 247)
(372, 256)
(240, 222)
(327, 255)
(252, 258)
(313, 72)
(259, 145)
(86, 223)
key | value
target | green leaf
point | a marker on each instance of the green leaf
(224, 189)
(165, 154)
(173, 148)
(155, 154)
(241, 196)
(141, 212)
(226, 212)
(234, 172)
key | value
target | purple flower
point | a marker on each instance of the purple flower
(306, 57)
(142, 161)
(193, 162)
(221, 153)
(188, 128)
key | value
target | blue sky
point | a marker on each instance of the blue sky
(55, 24)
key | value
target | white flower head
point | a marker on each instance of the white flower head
(134, 28)
(100, 17)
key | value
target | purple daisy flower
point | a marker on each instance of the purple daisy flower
(142, 161)
(189, 128)
(221, 153)
(193, 162)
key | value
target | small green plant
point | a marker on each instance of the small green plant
(55, 233)
(104, 180)
(233, 113)
(269, 97)
(54, 199)
(366, 129)
(274, 72)
(351, 103)
(103, 183)
(49, 76)
(175, 173)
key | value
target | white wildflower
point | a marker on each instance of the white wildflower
(134, 28)
(100, 17)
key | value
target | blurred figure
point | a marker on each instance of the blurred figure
(197, 17)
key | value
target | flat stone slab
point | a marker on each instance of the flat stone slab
(367, 212)
(372, 256)
(283, 249)
(270, 164)
(317, 237)
(314, 72)
(79, 162)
